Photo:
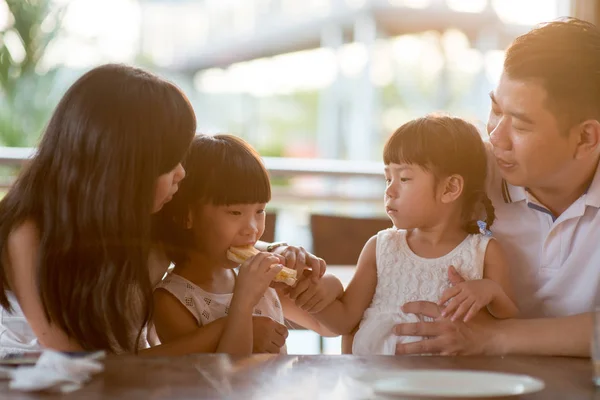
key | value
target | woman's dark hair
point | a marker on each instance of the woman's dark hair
(447, 146)
(90, 190)
(220, 170)
(564, 57)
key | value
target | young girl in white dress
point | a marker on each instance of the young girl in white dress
(435, 171)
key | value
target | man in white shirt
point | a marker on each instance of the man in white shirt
(545, 185)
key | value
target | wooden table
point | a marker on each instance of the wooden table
(301, 377)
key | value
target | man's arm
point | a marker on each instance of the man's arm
(563, 336)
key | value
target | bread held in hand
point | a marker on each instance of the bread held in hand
(241, 254)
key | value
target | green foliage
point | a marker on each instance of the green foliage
(26, 87)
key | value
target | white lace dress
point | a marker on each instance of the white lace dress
(403, 276)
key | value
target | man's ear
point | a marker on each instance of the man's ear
(587, 137)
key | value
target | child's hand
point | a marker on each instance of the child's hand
(467, 298)
(299, 259)
(268, 335)
(255, 276)
(314, 297)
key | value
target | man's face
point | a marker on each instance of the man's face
(529, 146)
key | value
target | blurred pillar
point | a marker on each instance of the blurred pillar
(329, 108)
(487, 40)
(361, 135)
(362, 138)
(443, 95)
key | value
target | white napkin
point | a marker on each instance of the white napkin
(56, 372)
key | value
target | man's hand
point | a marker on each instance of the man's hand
(444, 336)
(268, 335)
(299, 259)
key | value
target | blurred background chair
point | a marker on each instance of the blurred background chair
(339, 239)
(270, 222)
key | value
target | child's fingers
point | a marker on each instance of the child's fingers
(306, 273)
(310, 304)
(272, 348)
(248, 268)
(285, 289)
(282, 331)
(290, 259)
(302, 256)
(254, 262)
(454, 277)
(318, 307)
(448, 294)
(462, 309)
(274, 270)
(315, 265)
(452, 305)
(306, 296)
(472, 312)
(264, 262)
(299, 289)
(323, 264)
(322, 268)
(281, 258)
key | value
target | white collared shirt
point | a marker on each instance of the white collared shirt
(554, 263)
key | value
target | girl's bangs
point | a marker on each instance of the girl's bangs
(408, 146)
(238, 180)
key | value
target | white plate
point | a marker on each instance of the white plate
(453, 383)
